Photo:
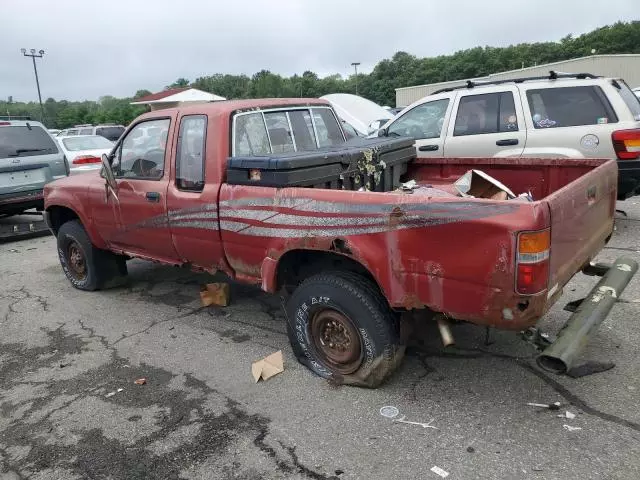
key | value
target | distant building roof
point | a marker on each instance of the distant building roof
(184, 94)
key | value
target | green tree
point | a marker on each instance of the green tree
(179, 83)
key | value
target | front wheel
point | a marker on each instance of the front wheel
(87, 267)
(342, 329)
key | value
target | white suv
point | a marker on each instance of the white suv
(562, 115)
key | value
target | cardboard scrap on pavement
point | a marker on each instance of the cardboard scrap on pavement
(268, 366)
(215, 294)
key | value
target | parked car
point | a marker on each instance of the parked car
(54, 131)
(29, 159)
(219, 196)
(84, 152)
(571, 116)
(361, 114)
(109, 131)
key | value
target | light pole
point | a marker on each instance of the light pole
(32, 53)
(355, 67)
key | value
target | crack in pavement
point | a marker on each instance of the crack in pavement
(522, 361)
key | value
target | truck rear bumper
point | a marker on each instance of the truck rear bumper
(561, 355)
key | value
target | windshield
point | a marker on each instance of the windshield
(93, 142)
(19, 141)
(111, 133)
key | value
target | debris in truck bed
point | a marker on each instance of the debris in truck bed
(268, 366)
(215, 294)
(477, 184)
(408, 186)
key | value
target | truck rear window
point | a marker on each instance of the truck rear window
(569, 107)
(22, 141)
(281, 131)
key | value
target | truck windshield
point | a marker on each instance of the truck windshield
(22, 141)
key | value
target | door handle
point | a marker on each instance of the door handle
(509, 141)
(153, 196)
(428, 148)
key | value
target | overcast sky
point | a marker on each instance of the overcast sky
(115, 47)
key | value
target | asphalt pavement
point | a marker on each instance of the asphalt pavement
(70, 407)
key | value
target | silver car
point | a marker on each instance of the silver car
(29, 159)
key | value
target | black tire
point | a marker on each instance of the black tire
(87, 267)
(359, 309)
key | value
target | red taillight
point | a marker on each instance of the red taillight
(85, 159)
(626, 144)
(5, 123)
(533, 262)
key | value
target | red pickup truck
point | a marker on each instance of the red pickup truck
(268, 192)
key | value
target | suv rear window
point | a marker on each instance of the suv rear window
(569, 107)
(19, 141)
(110, 133)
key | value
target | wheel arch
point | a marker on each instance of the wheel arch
(57, 215)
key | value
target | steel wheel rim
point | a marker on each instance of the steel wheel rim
(76, 261)
(337, 340)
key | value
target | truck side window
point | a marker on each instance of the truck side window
(423, 121)
(190, 153)
(250, 135)
(143, 156)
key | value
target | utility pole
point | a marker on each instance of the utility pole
(355, 67)
(33, 56)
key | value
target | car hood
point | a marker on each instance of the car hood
(357, 111)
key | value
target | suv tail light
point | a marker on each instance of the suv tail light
(66, 165)
(626, 143)
(533, 261)
(85, 159)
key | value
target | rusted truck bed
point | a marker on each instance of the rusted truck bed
(452, 255)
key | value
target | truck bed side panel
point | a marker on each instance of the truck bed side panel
(455, 256)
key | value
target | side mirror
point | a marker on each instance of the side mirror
(107, 172)
(383, 132)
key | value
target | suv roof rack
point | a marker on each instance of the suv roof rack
(15, 117)
(552, 76)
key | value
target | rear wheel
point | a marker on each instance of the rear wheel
(342, 329)
(87, 267)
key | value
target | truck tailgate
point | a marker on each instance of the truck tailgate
(582, 216)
